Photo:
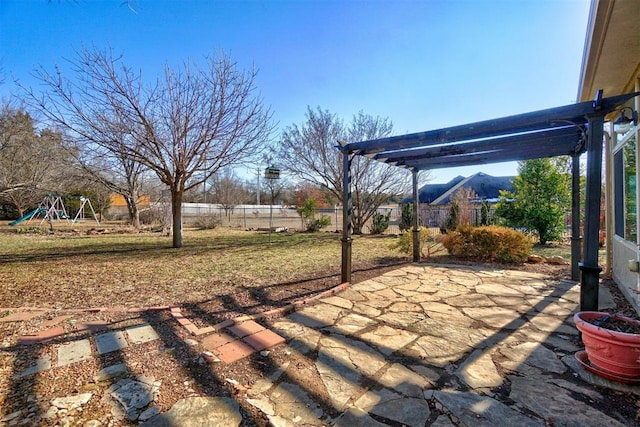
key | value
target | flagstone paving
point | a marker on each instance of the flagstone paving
(462, 335)
(423, 345)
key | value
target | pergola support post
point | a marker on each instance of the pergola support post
(346, 217)
(590, 280)
(548, 133)
(415, 219)
(576, 239)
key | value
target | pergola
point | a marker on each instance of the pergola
(563, 131)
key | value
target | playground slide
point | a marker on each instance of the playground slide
(26, 217)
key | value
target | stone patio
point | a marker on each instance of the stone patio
(421, 345)
(487, 347)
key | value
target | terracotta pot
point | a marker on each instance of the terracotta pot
(614, 352)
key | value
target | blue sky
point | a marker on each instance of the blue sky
(424, 64)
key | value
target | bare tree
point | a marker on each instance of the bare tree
(32, 162)
(117, 172)
(185, 126)
(464, 199)
(309, 151)
(277, 190)
(100, 195)
(228, 190)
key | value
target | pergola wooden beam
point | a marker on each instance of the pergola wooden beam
(503, 154)
(567, 130)
(574, 114)
(566, 136)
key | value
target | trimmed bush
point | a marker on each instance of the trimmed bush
(452, 220)
(490, 243)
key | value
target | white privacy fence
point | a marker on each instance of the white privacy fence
(257, 216)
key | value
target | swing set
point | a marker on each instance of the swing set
(52, 209)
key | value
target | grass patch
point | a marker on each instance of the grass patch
(550, 250)
(564, 250)
(73, 271)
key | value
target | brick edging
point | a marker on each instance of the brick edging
(294, 305)
(176, 312)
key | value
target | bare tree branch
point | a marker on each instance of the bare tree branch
(308, 151)
(185, 126)
(32, 162)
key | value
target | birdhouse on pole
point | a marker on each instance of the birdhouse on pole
(272, 172)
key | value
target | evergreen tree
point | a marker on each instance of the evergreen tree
(406, 220)
(541, 196)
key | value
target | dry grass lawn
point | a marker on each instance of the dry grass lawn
(78, 270)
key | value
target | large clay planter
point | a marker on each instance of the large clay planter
(614, 352)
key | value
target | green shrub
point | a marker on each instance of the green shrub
(452, 220)
(490, 243)
(485, 211)
(541, 195)
(318, 224)
(379, 222)
(308, 212)
(429, 243)
(406, 220)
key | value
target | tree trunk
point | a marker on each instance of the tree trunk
(356, 221)
(136, 217)
(134, 213)
(176, 210)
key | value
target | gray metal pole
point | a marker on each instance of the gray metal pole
(346, 218)
(576, 239)
(590, 280)
(271, 213)
(416, 223)
(258, 192)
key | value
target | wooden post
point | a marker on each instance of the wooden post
(416, 222)
(590, 280)
(346, 218)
